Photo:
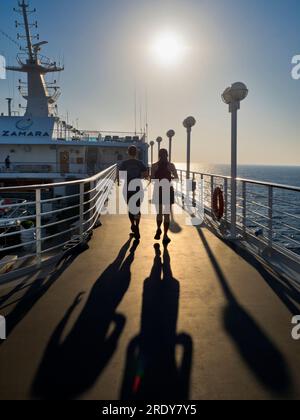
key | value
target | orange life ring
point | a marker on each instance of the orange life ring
(218, 203)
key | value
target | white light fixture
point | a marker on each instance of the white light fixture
(170, 135)
(188, 123)
(233, 96)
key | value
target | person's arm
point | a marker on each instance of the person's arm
(145, 172)
(153, 171)
(174, 172)
(120, 168)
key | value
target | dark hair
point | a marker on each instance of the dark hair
(163, 158)
(132, 151)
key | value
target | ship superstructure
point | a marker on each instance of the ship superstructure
(39, 145)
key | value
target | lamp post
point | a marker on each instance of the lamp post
(188, 123)
(159, 140)
(152, 146)
(170, 135)
(9, 101)
(233, 96)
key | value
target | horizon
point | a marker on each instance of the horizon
(184, 62)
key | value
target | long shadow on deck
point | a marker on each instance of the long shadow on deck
(261, 355)
(71, 366)
(152, 371)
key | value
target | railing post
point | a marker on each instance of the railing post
(244, 208)
(81, 212)
(38, 225)
(181, 188)
(270, 215)
(226, 198)
(194, 189)
(211, 193)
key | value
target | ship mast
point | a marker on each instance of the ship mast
(24, 6)
(40, 97)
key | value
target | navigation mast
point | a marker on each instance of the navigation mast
(40, 97)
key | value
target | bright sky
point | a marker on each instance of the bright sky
(184, 53)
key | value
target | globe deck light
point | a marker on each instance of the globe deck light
(236, 93)
(233, 96)
(188, 123)
(170, 135)
(159, 140)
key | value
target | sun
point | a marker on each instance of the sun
(168, 48)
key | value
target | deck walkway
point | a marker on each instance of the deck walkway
(105, 326)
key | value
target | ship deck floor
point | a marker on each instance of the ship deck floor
(199, 321)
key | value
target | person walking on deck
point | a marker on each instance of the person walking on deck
(135, 170)
(162, 173)
(7, 163)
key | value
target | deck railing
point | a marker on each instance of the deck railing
(268, 214)
(52, 219)
(52, 168)
(48, 220)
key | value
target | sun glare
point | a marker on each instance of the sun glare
(168, 48)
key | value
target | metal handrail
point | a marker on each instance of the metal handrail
(261, 219)
(248, 181)
(58, 184)
(66, 219)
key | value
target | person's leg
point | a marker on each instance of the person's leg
(167, 221)
(131, 216)
(132, 221)
(166, 240)
(159, 222)
(137, 220)
(166, 224)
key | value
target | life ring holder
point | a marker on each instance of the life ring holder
(218, 204)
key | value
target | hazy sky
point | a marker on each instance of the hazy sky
(105, 45)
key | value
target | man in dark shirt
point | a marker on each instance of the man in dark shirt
(7, 163)
(135, 170)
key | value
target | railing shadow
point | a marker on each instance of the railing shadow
(152, 371)
(287, 292)
(70, 366)
(257, 350)
(35, 291)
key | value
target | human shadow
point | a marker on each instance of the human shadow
(257, 350)
(70, 366)
(174, 225)
(35, 290)
(152, 370)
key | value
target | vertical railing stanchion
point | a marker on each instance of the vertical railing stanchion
(81, 212)
(194, 189)
(211, 193)
(244, 209)
(181, 186)
(226, 198)
(270, 215)
(38, 225)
